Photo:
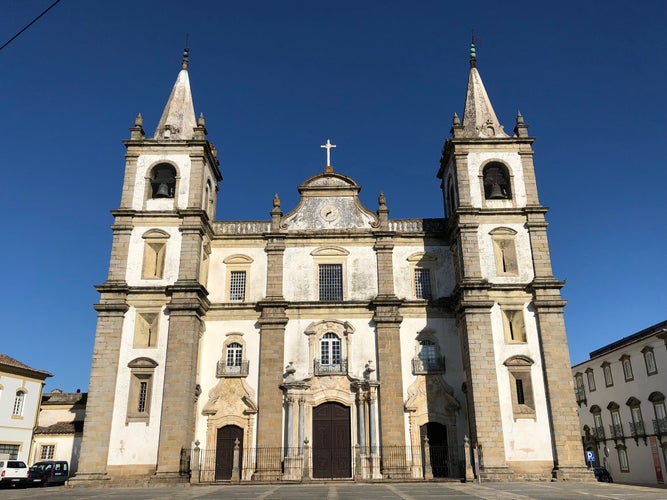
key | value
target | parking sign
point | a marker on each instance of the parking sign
(590, 456)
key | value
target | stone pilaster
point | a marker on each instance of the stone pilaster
(474, 319)
(101, 395)
(187, 306)
(272, 322)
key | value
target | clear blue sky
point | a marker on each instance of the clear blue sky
(382, 80)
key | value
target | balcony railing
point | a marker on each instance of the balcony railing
(616, 431)
(338, 368)
(428, 365)
(660, 426)
(637, 429)
(599, 433)
(225, 370)
(580, 393)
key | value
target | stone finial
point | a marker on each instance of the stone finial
(521, 128)
(383, 212)
(276, 214)
(201, 121)
(456, 120)
(137, 132)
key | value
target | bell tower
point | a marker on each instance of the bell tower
(143, 386)
(521, 407)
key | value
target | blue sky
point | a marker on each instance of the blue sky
(382, 80)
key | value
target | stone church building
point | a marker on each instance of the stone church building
(330, 341)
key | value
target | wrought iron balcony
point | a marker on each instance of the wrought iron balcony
(660, 426)
(580, 393)
(428, 365)
(338, 368)
(637, 429)
(598, 432)
(225, 370)
(616, 431)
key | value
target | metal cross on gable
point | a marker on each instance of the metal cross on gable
(328, 146)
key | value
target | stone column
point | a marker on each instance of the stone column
(301, 424)
(289, 431)
(361, 422)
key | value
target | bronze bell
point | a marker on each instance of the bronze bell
(496, 192)
(162, 191)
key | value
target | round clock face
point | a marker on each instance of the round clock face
(329, 213)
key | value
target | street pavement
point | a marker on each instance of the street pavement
(361, 491)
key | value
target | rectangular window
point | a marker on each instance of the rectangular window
(649, 359)
(47, 452)
(608, 380)
(237, 286)
(11, 450)
(627, 369)
(515, 328)
(143, 393)
(18, 404)
(591, 380)
(519, 392)
(331, 281)
(623, 460)
(423, 283)
(145, 330)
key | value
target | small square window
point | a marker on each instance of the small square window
(331, 281)
(47, 452)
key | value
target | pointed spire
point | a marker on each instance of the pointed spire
(178, 118)
(479, 119)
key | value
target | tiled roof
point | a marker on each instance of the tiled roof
(8, 362)
(60, 428)
(57, 397)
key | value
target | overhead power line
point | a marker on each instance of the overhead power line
(29, 24)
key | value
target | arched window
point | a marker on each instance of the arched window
(234, 355)
(18, 403)
(330, 352)
(497, 184)
(163, 181)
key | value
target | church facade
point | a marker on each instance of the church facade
(330, 341)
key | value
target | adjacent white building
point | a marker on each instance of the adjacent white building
(20, 396)
(621, 392)
(60, 428)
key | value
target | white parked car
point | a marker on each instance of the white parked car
(13, 472)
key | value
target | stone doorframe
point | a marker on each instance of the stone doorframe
(430, 399)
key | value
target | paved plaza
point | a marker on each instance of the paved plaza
(340, 490)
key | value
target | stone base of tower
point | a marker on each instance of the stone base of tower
(89, 480)
(582, 474)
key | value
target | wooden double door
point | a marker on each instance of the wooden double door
(332, 448)
(224, 451)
